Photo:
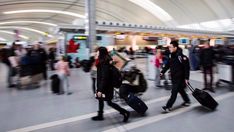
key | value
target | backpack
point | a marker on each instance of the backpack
(116, 77)
(140, 80)
(143, 82)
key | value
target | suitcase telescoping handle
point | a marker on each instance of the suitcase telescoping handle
(190, 87)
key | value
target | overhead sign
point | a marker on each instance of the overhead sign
(79, 37)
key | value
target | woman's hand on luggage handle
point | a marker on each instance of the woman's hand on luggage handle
(186, 81)
(99, 94)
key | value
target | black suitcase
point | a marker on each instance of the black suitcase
(203, 98)
(55, 83)
(137, 104)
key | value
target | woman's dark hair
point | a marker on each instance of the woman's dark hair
(103, 54)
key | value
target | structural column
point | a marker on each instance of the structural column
(90, 22)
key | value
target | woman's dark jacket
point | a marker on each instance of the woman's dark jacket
(104, 78)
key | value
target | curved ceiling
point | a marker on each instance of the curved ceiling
(180, 13)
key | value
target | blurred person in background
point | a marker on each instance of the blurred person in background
(158, 63)
(207, 56)
(77, 62)
(52, 57)
(166, 77)
(131, 53)
(63, 72)
(44, 58)
(20, 52)
(69, 60)
(12, 63)
(5, 54)
(39, 57)
(93, 71)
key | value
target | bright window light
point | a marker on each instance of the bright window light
(28, 29)
(12, 33)
(153, 9)
(210, 24)
(226, 22)
(33, 22)
(216, 25)
(195, 26)
(45, 11)
(191, 26)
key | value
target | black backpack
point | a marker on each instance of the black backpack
(142, 82)
(116, 77)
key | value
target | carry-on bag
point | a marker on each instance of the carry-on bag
(137, 104)
(204, 98)
(55, 83)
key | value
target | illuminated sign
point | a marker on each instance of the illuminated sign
(78, 37)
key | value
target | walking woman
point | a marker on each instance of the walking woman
(158, 63)
(104, 86)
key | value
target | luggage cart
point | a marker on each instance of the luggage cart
(26, 80)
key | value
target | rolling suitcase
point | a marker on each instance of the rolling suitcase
(137, 104)
(203, 98)
(55, 83)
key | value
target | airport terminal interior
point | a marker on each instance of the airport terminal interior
(60, 59)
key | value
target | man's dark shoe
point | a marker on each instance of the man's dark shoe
(166, 109)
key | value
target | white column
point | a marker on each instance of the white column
(90, 22)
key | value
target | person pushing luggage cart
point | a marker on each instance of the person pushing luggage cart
(180, 71)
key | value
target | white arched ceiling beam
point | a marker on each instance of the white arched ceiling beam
(182, 12)
(57, 21)
(102, 12)
(220, 8)
(77, 7)
(131, 12)
(44, 11)
(27, 22)
(156, 10)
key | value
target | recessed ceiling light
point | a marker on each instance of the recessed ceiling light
(28, 29)
(2, 39)
(12, 33)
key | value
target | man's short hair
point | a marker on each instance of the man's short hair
(175, 43)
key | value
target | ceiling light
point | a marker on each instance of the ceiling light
(34, 22)
(12, 33)
(2, 39)
(153, 9)
(28, 29)
(45, 11)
